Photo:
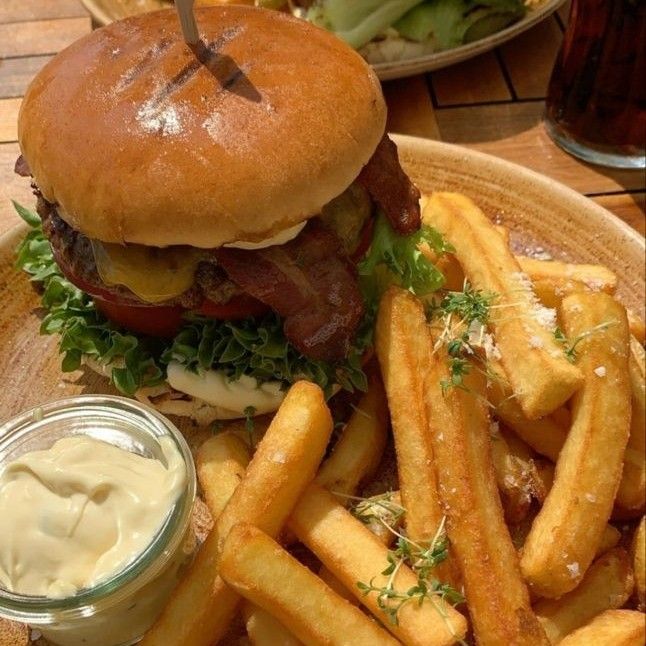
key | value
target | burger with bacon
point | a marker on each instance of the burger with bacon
(215, 214)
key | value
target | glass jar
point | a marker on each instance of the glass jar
(118, 610)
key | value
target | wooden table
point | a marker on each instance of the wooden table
(492, 103)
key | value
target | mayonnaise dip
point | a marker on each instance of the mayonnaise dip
(77, 513)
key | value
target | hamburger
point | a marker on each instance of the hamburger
(211, 219)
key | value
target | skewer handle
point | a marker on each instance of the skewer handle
(187, 21)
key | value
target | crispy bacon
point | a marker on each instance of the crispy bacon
(22, 167)
(310, 283)
(390, 187)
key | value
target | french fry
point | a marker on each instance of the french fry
(606, 585)
(544, 379)
(637, 326)
(545, 472)
(358, 450)
(554, 280)
(504, 232)
(616, 627)
(264, 629)
(638, 551)
(220, 462)
(632, 488)
(285, 461)
(546, 436)
(609, 539)
(262, 571)
(567, 531)
(403, 345)
(516, 474)
(497, 597)
(354, 555)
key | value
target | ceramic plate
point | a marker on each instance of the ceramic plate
(540, 212)
(106, 11)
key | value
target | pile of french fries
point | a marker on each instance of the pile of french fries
(516, 403)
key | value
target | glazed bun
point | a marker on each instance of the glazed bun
(138, 141)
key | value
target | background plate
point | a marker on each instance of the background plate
(106, 11)
(540, 212)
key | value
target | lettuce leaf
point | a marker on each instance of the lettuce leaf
(358, 21)
(394, 259)
(454, 22)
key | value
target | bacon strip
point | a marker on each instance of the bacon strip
(309, 283)
(391, 188)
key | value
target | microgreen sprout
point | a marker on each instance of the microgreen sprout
(570, 348)
(422, 559)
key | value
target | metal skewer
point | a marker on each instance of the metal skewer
(187, 21)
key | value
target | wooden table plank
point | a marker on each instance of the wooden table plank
(529, 59)
(12, 187)
(17, 73)
(41, 36)
(8, 119)
(23, 10)
(478, 80)
(410, 110)
(514, 131)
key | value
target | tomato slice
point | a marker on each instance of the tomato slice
(238, 307)
(156, 320)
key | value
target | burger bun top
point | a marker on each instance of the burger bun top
(141, 139)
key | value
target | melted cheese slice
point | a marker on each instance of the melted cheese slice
(153, 274)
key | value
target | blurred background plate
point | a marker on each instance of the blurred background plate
(438, 60)
(107, 11)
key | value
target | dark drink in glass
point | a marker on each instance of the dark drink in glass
(596, 100)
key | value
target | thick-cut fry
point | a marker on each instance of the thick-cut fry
(354, 555)
(285, 461)
(637, 326)
(358, 450)
(497, 598)
(639, 563)
(516, 474)
(504, 232)
(546, 436)
(262, 571)
(264, 629)
(607, 584)
(632, 488)
(610, 628)
(403, 348)
(567, 531)
(554, 280)
(544, 379)
(221, 463)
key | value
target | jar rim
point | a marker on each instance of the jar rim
(163, 545)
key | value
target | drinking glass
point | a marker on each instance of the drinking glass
(596, 100)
